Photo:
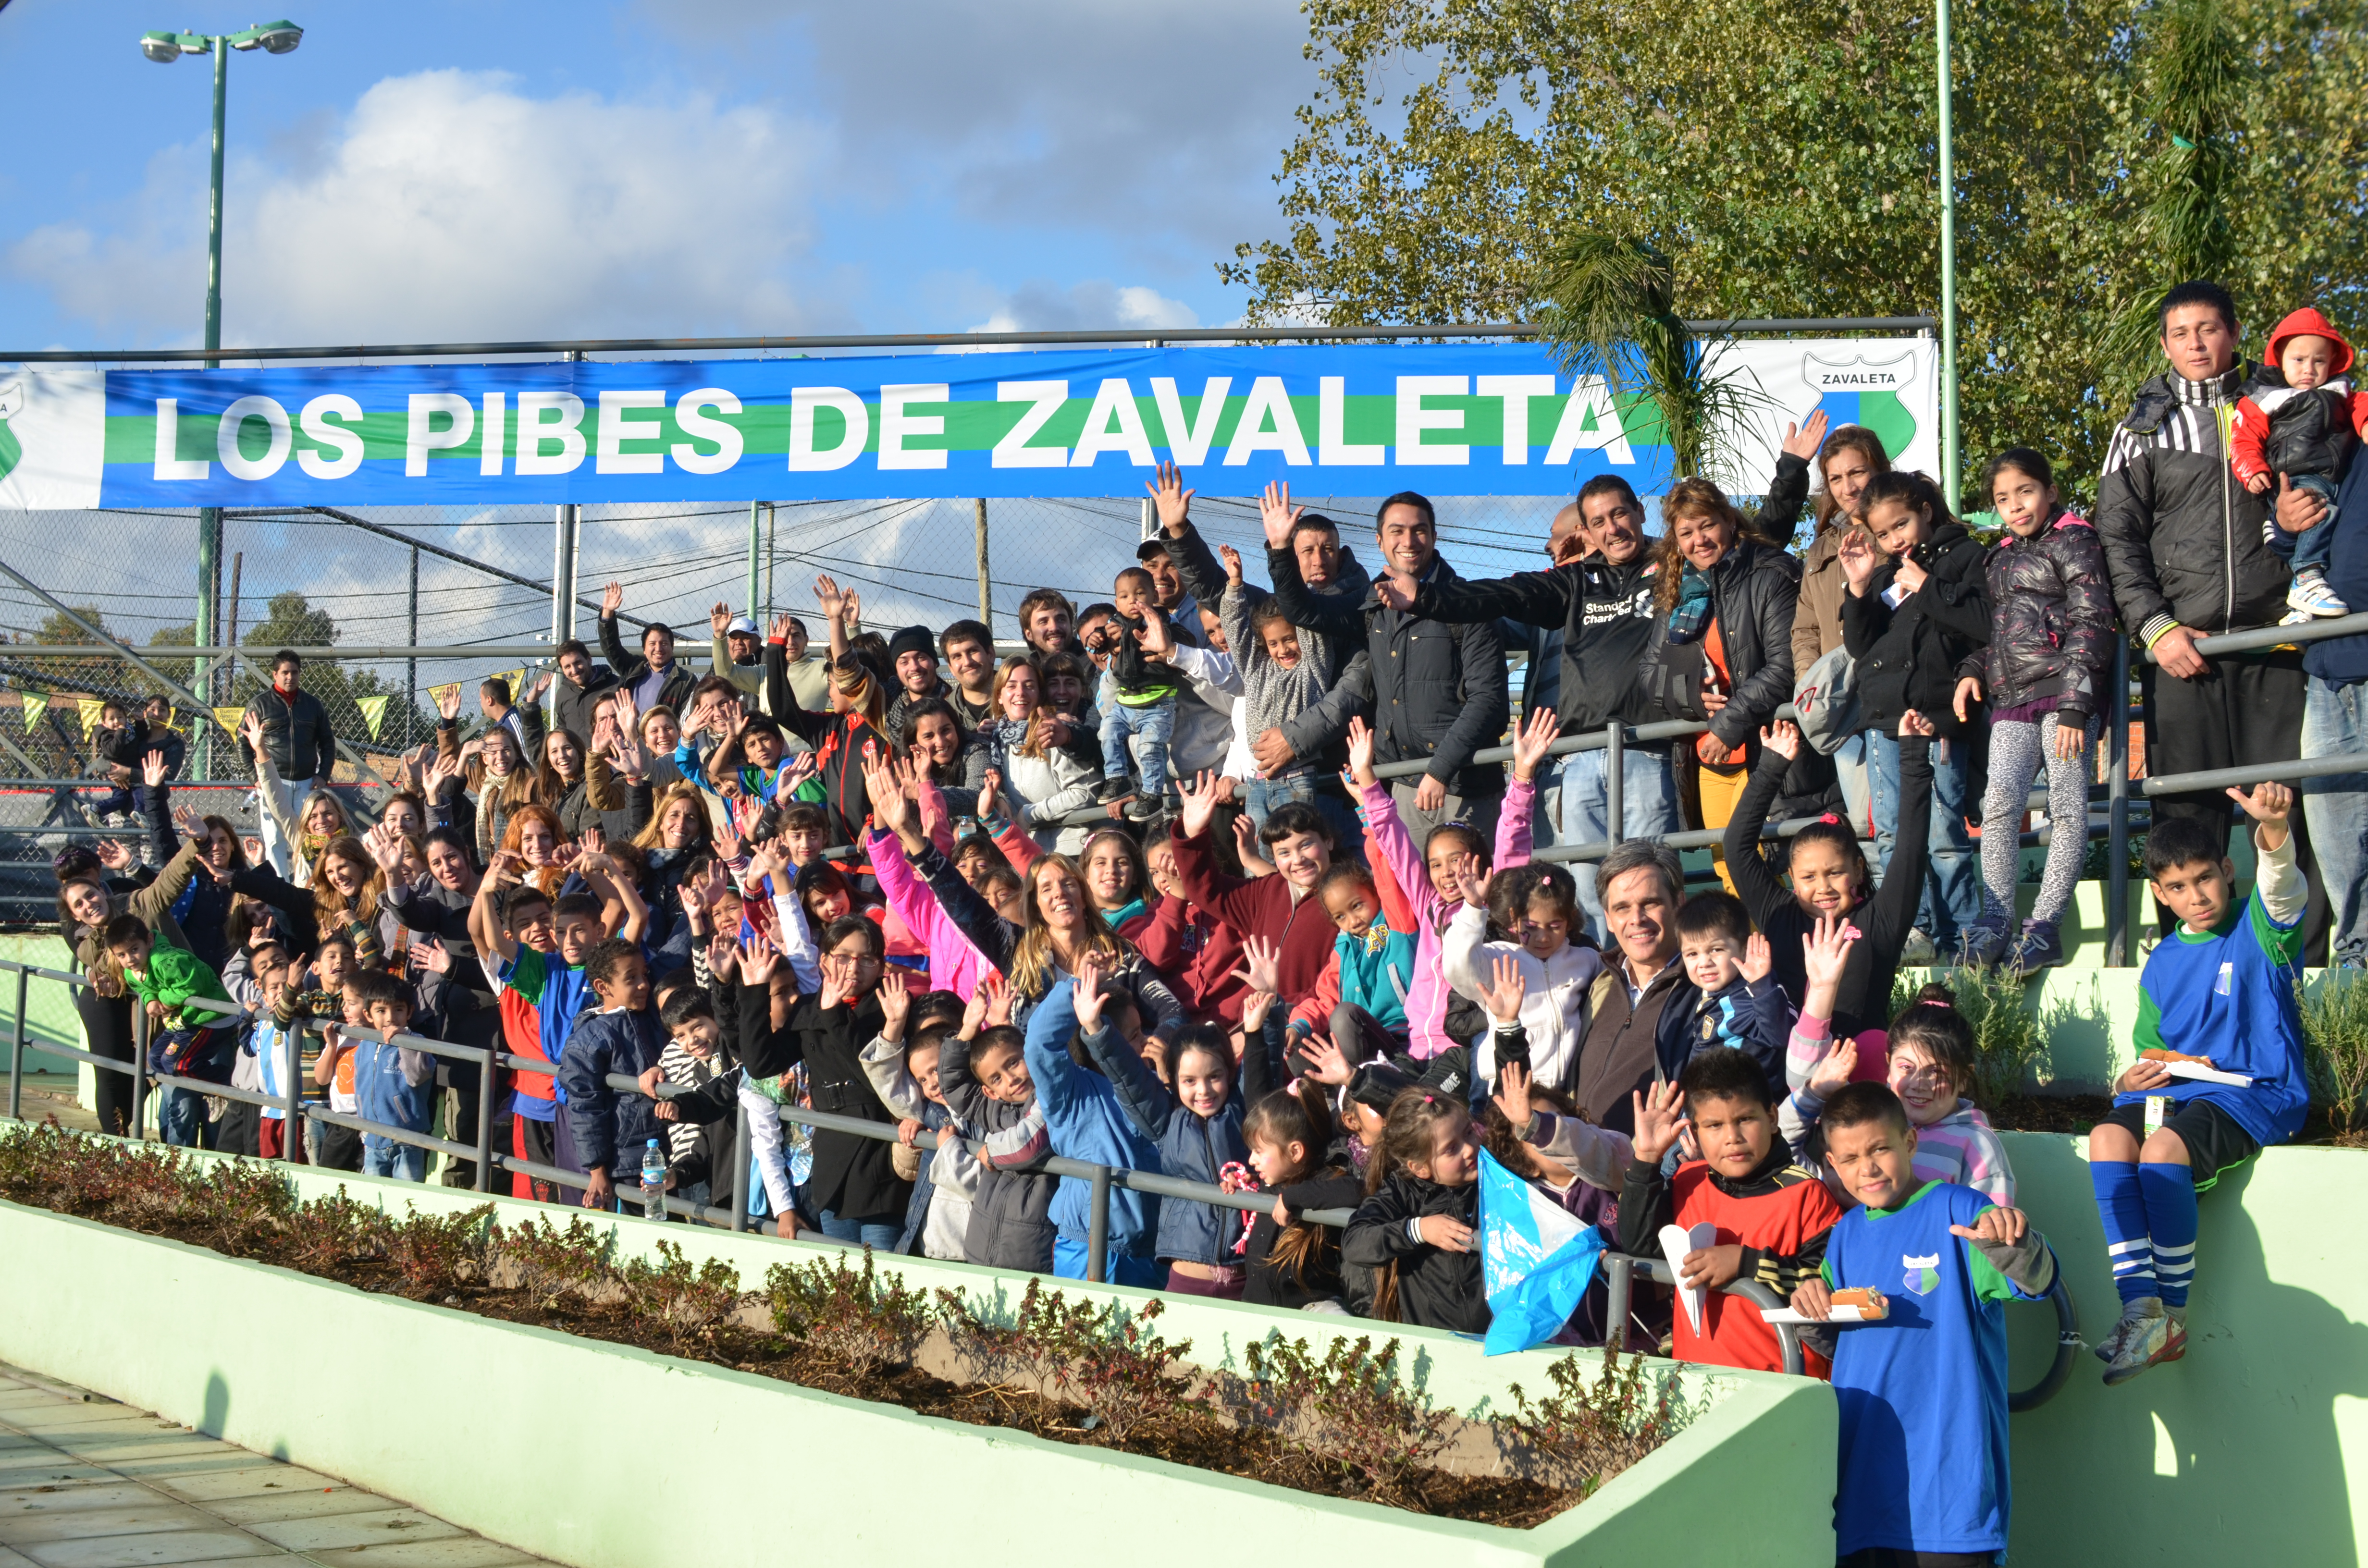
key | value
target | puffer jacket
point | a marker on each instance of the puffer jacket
(2050, 620)
(839, 739)
(2184, 540)
(611, 1127)
(1436, 1288)
(1908, 657)
(1191, 1148)
(1604, 613)
(296, 734)
(1436, 690)
(1011, 1215)
(1081, 1109)
(1754, 590)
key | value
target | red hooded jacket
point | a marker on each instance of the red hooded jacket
(2266, 394)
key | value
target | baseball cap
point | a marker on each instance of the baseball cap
(741, 626)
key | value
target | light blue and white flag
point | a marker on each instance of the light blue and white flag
(1535, 1260)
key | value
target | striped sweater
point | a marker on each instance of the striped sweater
(1962, 1147)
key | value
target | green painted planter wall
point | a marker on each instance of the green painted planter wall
(529, 1437)
(2245, 1452)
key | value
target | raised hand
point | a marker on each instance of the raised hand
(759, 958)
(1391, 594)
(1833, 1069)
(1325, 1063)
(250, 727)
(113, 854)
(448, 702)
(612, 599)
(1200, 797)
(1246, 848)
(895, 1004)
(723, 956)
(1262, 962)
(385, 848)
(827, 598)
(1173, 501)
(1233, 560)
(1659, 1113)
(851, 611)
(1784, 738)
(430, 957)
(1802, 440)
(151, 769)
(1471, 881)
(1090, 997)
(783, 626)
(718, 619)
(1512, 1094)
(2269, 804)
(975, 1012)
(631, 759)
(1533, 741)
(1824, 951)
(1158, 637)
(1757, 959)
(536, 687)
(890, 805)
(1361, 753)
(1276, 513)
(1860, 560)
(999, 998)
(1505, 988)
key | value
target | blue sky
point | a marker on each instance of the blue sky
(608, 168)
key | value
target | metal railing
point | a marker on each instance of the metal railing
(1620, 1269)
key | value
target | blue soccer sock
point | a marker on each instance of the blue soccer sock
(2170, 1193)
(2123, 1206)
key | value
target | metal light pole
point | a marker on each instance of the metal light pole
(272, 38)
(1950, 473)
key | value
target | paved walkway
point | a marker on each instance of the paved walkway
(85, 1483)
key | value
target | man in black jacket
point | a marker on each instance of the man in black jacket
(1438, 691)
(1599, 594)
(298, 739)
(2188, 549)
(579, 689)
(654, 677)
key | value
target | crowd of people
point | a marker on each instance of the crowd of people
(1147, 893)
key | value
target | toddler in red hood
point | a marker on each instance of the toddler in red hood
(2299, 418)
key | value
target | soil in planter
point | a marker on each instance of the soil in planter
(1207, 1420)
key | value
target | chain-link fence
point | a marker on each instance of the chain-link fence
(378, 587)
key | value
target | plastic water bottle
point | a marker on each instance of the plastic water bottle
(654, 1175)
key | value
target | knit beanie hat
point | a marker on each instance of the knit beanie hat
(912, 640)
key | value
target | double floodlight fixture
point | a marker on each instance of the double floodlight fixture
(272, 38)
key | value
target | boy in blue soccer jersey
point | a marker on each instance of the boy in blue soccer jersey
(1923, 1477)
(2217, 994)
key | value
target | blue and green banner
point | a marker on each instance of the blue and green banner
(1463, 419)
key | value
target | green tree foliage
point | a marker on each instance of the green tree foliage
(294, 623)
(1781, 155)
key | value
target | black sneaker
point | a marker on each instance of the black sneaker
(1112, 789)
(1142, 808)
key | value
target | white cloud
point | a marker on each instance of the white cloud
(1156, 120)
(1041, 306)
(450, 206)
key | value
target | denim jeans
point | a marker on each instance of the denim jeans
(180, 1116)
(879, 1232)
(1261, 795)
(1952, 872)
(385, 1157)
(1648, 808)
(1154, 724)
(1069, 1263)
(2334, 809)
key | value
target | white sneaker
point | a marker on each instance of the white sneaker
(2311, 595)
(1917, 951)
(2147, 1336)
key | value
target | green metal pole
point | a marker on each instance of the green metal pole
(210, 519)
(1948, 469)
(756, 557)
